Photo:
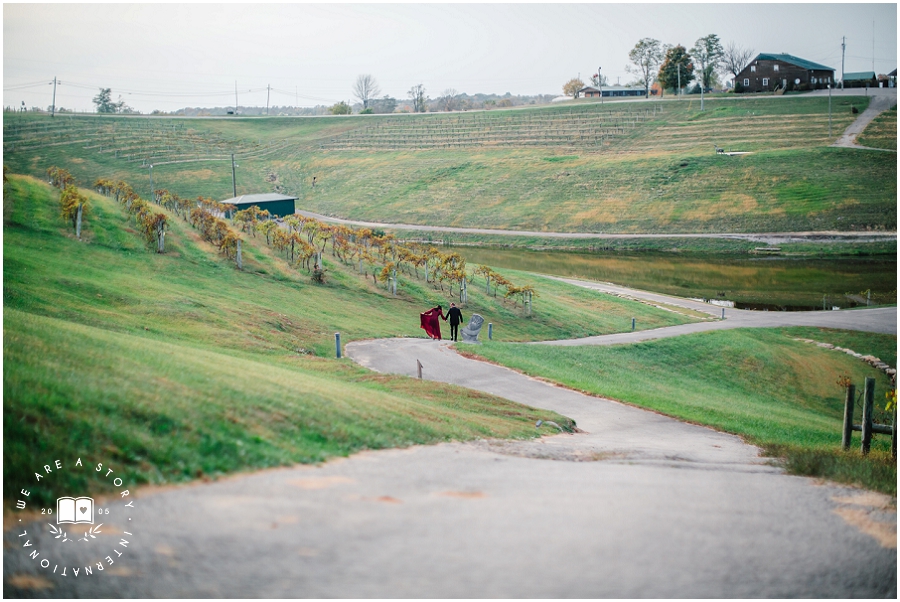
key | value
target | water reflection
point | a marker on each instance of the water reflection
(764, 283)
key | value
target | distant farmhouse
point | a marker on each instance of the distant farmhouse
(771, 72)
(278, 205)
(615, 91)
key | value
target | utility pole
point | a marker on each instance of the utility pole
(233, 180)
(873, 47)
(235, 98)
(268, 88)
(53, 106)
(829, 110)
(600, 84)
(843, 49)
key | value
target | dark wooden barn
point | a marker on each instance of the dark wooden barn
(770, 72)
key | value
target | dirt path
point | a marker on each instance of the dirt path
(767, 237)
(877, 105)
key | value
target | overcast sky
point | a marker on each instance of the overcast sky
(168, 56)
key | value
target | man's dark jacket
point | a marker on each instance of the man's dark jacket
(454, 315)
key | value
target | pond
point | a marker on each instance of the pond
(764, 283)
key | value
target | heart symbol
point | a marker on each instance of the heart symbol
(83, 509)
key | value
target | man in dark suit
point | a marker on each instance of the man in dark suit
(455, 317)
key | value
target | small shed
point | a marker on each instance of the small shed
(860, 79)
(615, 91)
(278, 205)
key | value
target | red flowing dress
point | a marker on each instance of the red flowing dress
(431, 322)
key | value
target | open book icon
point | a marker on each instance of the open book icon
(75, 510)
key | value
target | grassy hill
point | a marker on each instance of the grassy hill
(616, 167)
(178, 366)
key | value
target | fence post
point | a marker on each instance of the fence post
(868, 407)
(894, 433)
(632, 324)
(239, 259)
(490, 331)
(337, 344)
(848, 417)
(419, 368)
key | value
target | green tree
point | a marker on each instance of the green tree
(386, 104)
(105, 104)
(646, 56)
(707, 53)
(341, 108)
(104, 101)
(677, 57)
(573, 87)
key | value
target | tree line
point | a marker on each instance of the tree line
(674, 67)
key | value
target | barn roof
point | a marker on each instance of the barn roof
(861, 75)
(793, 60)
(252, 199)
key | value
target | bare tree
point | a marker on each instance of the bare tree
(646, 56)
(449, 100)
(735, 58)
(417, 96)
(366, 89)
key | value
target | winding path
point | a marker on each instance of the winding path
(637, 505)
(641, 505)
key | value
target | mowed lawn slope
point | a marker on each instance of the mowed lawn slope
(882, 132)
(658, 175)
(177, 366)
(777, 392)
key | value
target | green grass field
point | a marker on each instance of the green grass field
(776, 392)
(660, 174)
(882, 132)
(178, 365)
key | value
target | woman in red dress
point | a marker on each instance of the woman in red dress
(431, 322)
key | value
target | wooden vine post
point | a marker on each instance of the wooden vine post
(849, 402)
(78, 215)
(867, 428)
(868, 407)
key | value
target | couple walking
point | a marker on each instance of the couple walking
(432, 325)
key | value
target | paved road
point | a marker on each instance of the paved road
(637, 505)
(881, 320)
